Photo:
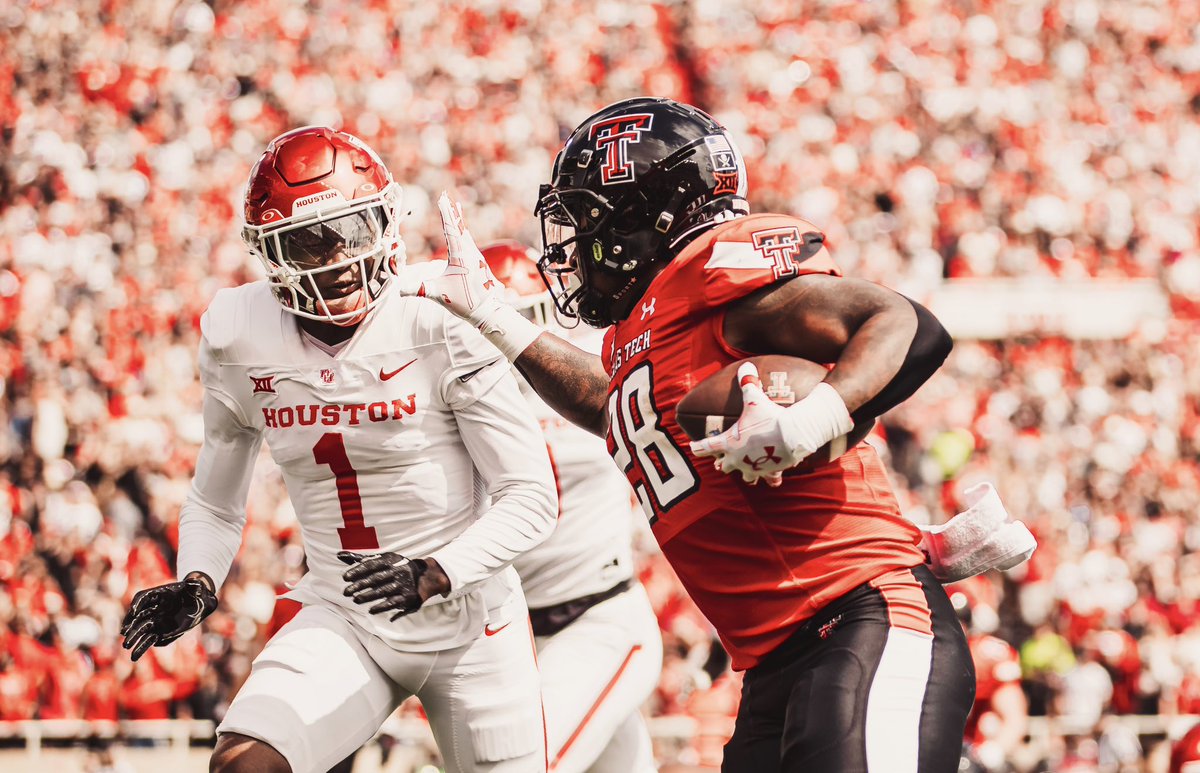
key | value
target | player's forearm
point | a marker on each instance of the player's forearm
(520, 518)
(570, 380)
(883, 345)
(212, 517)
(208, 541)
(888, 357)
(509, 452)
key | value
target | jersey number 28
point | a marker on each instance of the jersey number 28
(636, 437)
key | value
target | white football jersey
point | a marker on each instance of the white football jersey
(381, 446)
(589, 551)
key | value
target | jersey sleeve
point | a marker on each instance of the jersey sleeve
(212, 516)
(508, 450)
(754, 253)
(474, 365)
(212, 372)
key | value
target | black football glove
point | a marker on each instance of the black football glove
(160, 615)
(390, 578)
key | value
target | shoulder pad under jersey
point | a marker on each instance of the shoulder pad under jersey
(243, 324)
(741, 256)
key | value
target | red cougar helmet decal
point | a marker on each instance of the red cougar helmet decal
(613, 137)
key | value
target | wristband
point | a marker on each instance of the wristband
(819, 418)
(507, 330)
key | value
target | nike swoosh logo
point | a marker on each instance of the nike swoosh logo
(385, 376)
(489, 631)
(476, 372)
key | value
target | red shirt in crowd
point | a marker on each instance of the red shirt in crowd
(147, 692)
(18, 691)
(99, 699)
(66, 677)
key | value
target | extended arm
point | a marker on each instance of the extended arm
(883, 345)
(570, 380)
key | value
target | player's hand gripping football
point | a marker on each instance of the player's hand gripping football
(768, 438)
(397, 583)
(160, 615)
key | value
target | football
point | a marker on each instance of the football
(713, 405)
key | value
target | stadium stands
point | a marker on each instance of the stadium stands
(932, 141)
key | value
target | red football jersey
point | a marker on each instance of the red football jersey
(757, 560)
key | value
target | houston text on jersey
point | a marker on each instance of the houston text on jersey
(332, 414)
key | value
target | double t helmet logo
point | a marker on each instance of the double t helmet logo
(613, 137)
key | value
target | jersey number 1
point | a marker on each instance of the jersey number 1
(637, 437)
(355, 535)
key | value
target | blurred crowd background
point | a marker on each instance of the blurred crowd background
(930, 140)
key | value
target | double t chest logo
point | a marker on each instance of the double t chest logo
(613, 137)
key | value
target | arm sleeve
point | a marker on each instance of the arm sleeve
(930, 346)
(212, 516)
(509, 451)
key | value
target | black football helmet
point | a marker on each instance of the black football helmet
(631, 186)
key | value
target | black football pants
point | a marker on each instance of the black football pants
(850, 693)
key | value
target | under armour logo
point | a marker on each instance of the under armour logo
(326, 376)
(263, 385)
(768, 456)
(648, 308)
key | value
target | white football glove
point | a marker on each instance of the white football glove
(982, 537)
(768, 438)
(469, 289)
